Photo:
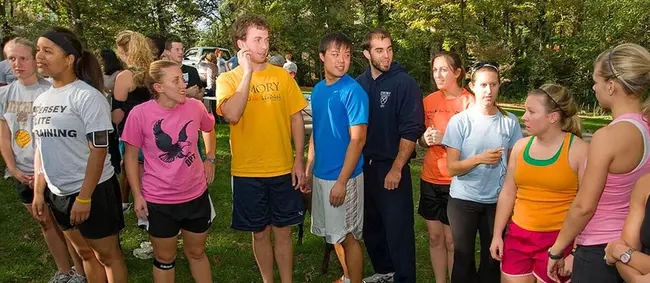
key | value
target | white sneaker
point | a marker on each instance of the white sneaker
(143, 224)
(379, 278)
(144, 252)
(75, 277)
(60, 277)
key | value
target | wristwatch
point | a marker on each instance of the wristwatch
(554, 257)
(211, 160)
(627, 256)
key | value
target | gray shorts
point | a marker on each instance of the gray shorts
(334, 223)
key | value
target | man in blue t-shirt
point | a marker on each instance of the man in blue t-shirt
(340, 118)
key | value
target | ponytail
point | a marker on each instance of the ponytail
(88, 70)
(573, 125)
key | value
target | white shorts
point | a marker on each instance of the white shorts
(334, 223)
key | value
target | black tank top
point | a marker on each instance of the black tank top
(137, 96)
(645, 229)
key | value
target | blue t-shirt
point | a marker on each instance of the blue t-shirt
(471, 132)
(335, 108)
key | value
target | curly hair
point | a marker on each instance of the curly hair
(138, 54)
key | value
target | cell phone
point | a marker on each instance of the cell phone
(99, 139)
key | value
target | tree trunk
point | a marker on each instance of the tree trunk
(74, 14)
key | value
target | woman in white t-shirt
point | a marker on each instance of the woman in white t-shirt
(17, 148)
(71, 126)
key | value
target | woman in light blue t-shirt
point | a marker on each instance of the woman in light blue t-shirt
(478, 142)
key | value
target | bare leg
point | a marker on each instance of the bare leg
(438, 250)
(340, 253)
(194, 248)
(284, 253)
(95, 272)
(110, 256)
(55, 241)
(264, 253)
(164, 250)
(353, 258)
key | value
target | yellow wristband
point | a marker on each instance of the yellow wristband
(80, 200)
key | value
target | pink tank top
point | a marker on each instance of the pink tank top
(614, 204)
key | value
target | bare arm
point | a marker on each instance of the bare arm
(132, 169)
(94, 168)
(234, 107)
(584, 206)
(459, 167)
(5, 147)
(640, 262)
(406, 148)
(298, 134)
(310, 157)
(210, 140)
(508, 195)
(123, 84)
(39, 174)
(353, 152)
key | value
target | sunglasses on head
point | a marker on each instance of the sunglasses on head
(485, 64)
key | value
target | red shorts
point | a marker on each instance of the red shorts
(526, 253)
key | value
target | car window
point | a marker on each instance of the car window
(191, 54)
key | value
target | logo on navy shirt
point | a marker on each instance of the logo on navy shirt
(171, 151)
(383, 97)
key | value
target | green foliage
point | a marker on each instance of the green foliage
(535, 41)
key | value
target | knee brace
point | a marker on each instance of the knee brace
(164, 266)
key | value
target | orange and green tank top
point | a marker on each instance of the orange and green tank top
(545, 189)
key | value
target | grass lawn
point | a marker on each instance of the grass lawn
(25, 257)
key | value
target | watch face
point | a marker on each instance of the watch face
(625, 258)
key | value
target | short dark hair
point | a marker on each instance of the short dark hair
(170, 40)
(111, 63)
(376, 33)
(241, 25)
(159, 42)
(338, 39)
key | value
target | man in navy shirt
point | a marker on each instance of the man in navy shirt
(340, 113)
(395, 123)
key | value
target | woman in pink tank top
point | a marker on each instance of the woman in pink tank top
(618, 157)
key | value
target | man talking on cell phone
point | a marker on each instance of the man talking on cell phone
(262, 103)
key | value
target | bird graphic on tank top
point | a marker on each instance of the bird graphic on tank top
(172, 151)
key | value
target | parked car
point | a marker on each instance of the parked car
(195, 57)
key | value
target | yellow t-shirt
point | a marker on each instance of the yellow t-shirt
(260, 142)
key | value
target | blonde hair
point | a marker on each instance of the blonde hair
(24, 42)
(138, 54)
(558, 99)
(210, 57)
(627, 63)
(156, 73)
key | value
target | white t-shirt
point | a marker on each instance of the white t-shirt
(16, 102)
(62, 118)
(6, 75)
(290, 67)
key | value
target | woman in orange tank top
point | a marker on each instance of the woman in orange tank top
(450, 99)
(541, 183)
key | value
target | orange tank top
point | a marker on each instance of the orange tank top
(545, 189)
(438, 110)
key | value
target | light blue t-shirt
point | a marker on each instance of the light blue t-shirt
(335, 108)
(471, 132)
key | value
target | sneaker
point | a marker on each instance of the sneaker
(126, 206)
(380, 278)
(343, 279)
(144, 252)
(60, 277)
(143, 224)
(75, 277)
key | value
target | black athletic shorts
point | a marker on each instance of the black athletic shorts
(260, 202)
(25, 193)
(165, 220)
(105, 218)
(433, 202)
(590, 267)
